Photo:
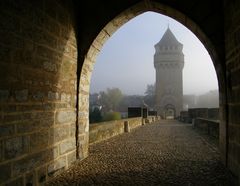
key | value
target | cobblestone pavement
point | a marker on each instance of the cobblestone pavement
(166, 153)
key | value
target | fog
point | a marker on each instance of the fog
(126, 59)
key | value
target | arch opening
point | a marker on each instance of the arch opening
(169, 111)
(116, 23)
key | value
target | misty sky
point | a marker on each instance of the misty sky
(126, 59)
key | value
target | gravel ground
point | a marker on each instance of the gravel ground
(166, 153)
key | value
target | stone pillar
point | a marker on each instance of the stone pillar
(126, 126)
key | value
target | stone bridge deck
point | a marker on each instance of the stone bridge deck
(165, 153)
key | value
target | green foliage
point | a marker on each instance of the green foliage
(111, 99)
(95, 116)
(111, 116)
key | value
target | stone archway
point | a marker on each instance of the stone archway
(108, 30)
(169, 111)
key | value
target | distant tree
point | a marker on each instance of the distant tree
(104, 101)
(115, 96)
(149, 97)
(111, 99)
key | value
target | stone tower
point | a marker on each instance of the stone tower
(169, 62)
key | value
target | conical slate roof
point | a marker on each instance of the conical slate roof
(168, 39)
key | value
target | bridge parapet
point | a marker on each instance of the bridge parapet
(203, 119)
(193, 113)
(105, 130)
(209, 126)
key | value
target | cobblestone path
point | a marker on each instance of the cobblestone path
(166, 153)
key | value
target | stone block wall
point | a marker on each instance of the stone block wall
(134, 122)
(232, 50)
(184, 116)
(210, 127)
(38, 65)
(210, 113)
(213, 113)
(105, 130)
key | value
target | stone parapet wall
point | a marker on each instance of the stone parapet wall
(213, 113)
(198, 112)
(151, 119)
(105, 130)
(208, 126)
(134, 122)
(193, 113)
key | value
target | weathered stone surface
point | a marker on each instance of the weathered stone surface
(50, 66)
(8, 108)
(38, 96)
(38, 62)
(39, 140)
(5, 172)
(34, 125)
(134, 122)
(17, 118)
(73, 130)
(42, 115)
(58, 134)
(6, 130)
(83, 149)
(16, 146)
(4, 94)
(30, 179)
(16, 182)
(102, 131)
(71, 158)
(56, 166)
(21, 95)
(32, 161)
(53, 95)
(67, 146)
(42, 174)
(1, 151)
(65, 116)
(65, 97)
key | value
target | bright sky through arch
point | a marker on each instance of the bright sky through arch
(126, 59)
